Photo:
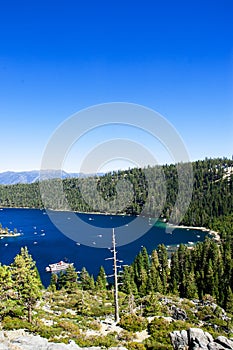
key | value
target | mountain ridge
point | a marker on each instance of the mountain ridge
(31, 176)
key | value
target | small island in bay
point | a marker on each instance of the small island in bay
(5, 232)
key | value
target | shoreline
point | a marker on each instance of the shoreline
(214, 234)
(2, 235)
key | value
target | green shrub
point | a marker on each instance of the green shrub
(94, 325)
(204, 312)
(159, 324)
(106, 342)
(10, 323)
(125, 335)
(69, 327)
(60, 340)
(48, 332)
(158, 343)
(133, 323)
(135, 346)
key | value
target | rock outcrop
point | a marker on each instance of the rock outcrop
(197, 339)
(178, 314)
(21, 340)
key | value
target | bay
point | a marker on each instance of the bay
(91, 238)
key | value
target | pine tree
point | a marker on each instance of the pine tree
(144, 282)
(145, 259)
(26, 281)
(174, 273)
(8, 297)
(92, 283)
(86, 280)
(191, 288)
(209, 280)
(53, 282)
(154, 283)
(137, 268)
(128, 285)
(101, 281)
(163, 266)
(184, 268)
(141, 270)
(70, 279)
(229, 300)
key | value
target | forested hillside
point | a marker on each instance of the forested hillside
(156, 297)
(154, 190)
(158, 294)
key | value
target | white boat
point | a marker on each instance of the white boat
(61, 265)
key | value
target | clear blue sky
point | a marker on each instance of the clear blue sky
(57, 57)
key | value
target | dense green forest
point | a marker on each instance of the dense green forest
(154, 191)
(197, 280)
(206, 268)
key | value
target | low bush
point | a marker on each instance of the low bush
(125, 335)
(133, 323)
(135, 346)
(10, 323)
(48, 332)
(105, 342)
(159, 324)
(69, 327)
(158, 343)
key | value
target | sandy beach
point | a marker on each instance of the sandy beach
(215, 235)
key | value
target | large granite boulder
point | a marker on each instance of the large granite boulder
(197, 339)
(179, 340)
(223, 341)
(21, 340)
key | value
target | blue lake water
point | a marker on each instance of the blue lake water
(87, 238)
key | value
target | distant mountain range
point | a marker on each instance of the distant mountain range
(26, 177)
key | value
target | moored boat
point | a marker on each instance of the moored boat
(59, 266)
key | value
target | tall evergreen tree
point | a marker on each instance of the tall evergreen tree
(229, 300)
(53, 282)
(191, 287)
(154, 275)
(8, 297)
(174, 273)
(163, 266)
(86, 280)
(26, 281)
(101, 281)
(128, 285)
(70, 279)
